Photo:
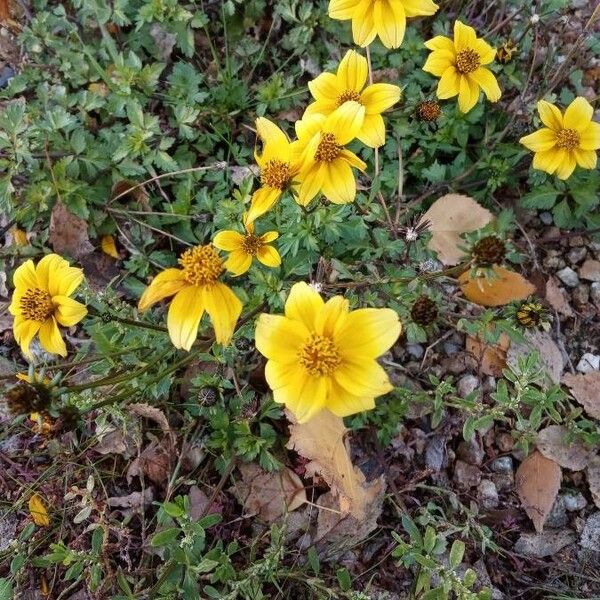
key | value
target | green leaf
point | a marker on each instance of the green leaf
(563, 215)
(313, 560)
(6, 589)
(412, 530)
(165, 537)
(173, 510)
(457, 551)
(542, 198)
(343, 578)
(429, 539)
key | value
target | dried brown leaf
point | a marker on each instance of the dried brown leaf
(154, 414)
(154, 462)
(558, 298)
(116, 441)
(449, 217)
(550, 354)
(68, 233)
(593, 477)
(537, 483)
(586, 390)
(270, 495)
(135, 500)
(506, 287)
(552, 443)
(492, 357)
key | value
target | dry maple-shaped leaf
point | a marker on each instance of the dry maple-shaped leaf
(586, 390)
(505, 287)
(557, 298)
(38, 511)
(270, 495)
(68, 233)
(491, 357)
(449, 217)
(553, 443)
(537, 483)
(593, 477)
(550, 355)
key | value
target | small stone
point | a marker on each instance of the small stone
(435, 452)
(451, 348)
(502, 464)
(595, 293)
(558, 515)
(546, 218)
(590, 270)
(489, 384)
(590, 536)
(588, 363)
(466, 385)
(471, 452)
(574, 502)
(543, 544)
(504, 481)
(576, 255)
(505, 441)
(415, 350)
(554, 260)
(581, 296)
(466, 475)
(576, 240)
(568, 277)
(487, 494)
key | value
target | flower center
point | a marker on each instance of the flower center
(251, 244)
(348, 95)
(275, 174)
(36, 305)
(567, 139)
(467, 61)
(328, 149)
(201, 265)
(319, 356)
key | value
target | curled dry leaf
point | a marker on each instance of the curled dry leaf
(154, 414)
(38, 511)
(553, 443)
(449, 217)
(270, 495)
(154, 462)
(491, 357)
(68, 233)
(586, 390)
(506, 287)
(116, 441)
(135, 500)
(593, 477)
(537, 483)
(550, 355)
(557, 298)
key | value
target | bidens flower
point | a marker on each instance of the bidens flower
(326, 164)
(277, 169)
(331, 91)
(322, 355)
(566, 140)
(383, 18)
(41, 302)
(460, 66)
(244, 247)
(196, 288)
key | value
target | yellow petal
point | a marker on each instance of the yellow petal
(353, 160)
(280, 338)
(586, 159)
(550, 115)
(325, 87)
(345, 122)
(464, 36)
(485, 51)
(567, 166)
(353, 71)
(440, 42)
(449, 84)
(50, 338)
(38, 511)
(368, 333)
(64, 281)
(321, 107)
(390, 22)
(24, 332)
(46, 268)
(263, 200)
(339, 185)
(268, 237)
(438, 61)
(19, 236)
(311, 183)
(539, 141)
(332, 315)
(107, 243)
(224, 309)
(228, 240)
(363, 24)
(578, 114)
(548, 160)
(308, 127)
(468, 94)
(379, 97)
(268, 256)
(238, 262)
(589, 138)
(487, 82)
(270, 133)
(68, 311)
(343, 404)
(165, 284)
(303, 304)
(419, 8)
(363, 378)
(342, 10)
(183, 318)
(25, 277)
(372, 133)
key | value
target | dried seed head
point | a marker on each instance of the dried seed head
(25, 398)
(429, 111)
(208, 396)
(489, 251)
(424, 311)
(532, 315)
(505, 53)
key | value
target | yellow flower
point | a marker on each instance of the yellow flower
(460, 66)
(383, 18)
(196, 288)
(244, 247)
(277, 169)
(41, 302)
(567, 140)
(326, 164)
(322, 355)
(331, 91)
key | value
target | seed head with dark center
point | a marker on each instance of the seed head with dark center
(201, 265)
(328, 149)
(467, 61)
(489, 251)
(275, 174)
(251, 244)
(429, 111)
(319, 355)
(532, 315)
(36, 305)
(347, 96)
(27, 397)
(567, 139)
(424, 311)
